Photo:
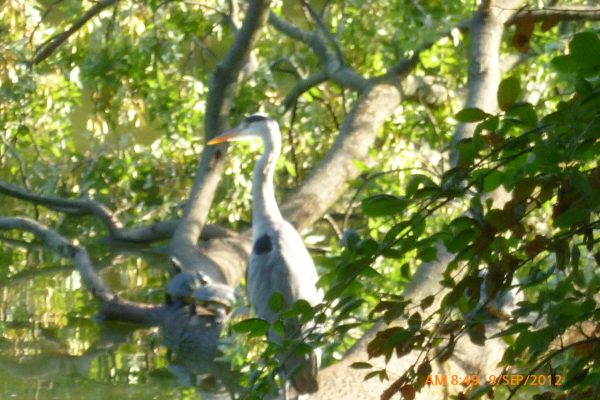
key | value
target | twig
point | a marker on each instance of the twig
(19, 159)
(59, 244)
(86, 206)
(419, 8)
(293, 146)
(145, 234)
(49, 46)
(333, 65)
(111, 25)
(567, 13)
(336, 229)
(550, 356)
(43, 17)
(321, 25)
(221, 84)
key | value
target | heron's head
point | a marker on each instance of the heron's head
(253, 126)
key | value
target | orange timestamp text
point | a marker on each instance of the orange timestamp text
(494, 380)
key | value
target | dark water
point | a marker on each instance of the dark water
(53, 347)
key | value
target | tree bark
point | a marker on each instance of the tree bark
(340, 381)
(331, 178)
(184, 242)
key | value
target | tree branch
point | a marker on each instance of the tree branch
(113, 307)
(302, 86)
(565, 13)
(337, 169)
(333, 65)
(56, 242)
(486, 30)
(226, 74)
(293, 32)
(321, 25)
(48, 47)
(143, 234)
(80, 206)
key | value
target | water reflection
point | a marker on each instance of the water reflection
(51, 347)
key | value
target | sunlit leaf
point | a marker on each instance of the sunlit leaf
(471, 115)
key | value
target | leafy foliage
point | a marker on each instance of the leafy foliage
(116, 114)
(540, 240)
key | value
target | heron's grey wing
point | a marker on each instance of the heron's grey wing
(279, 262)
(267, 273)
(302, 272)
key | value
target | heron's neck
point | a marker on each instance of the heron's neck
(264, 205)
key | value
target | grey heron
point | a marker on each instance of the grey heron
(279, 261)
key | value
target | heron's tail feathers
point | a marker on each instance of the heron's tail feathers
(303, 370)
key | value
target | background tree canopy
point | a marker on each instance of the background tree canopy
(440, 158)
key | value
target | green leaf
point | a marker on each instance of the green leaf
(427, 302)
(477, 334)
(525, 113)
(252, 326)
(492, 181)
(572, 216)
(471, 115)
(580, 182)
(461, 240)
(302, 309)
(427, 254)
(585, 49)
(515, 328)
(367, 247)
(276, 301)
(575, 258)
(348, 308)
(372, 374)
(417, 181)
(466, 152)
(490, 124)
(508, 92)
(278, 328)
(383, 205)
(405, 271)
(583, 87)
(566, 64)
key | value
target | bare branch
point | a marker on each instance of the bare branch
(302, 86)
(427, 90)
(47, 48)
(486, 31)
(333, 65)
(337, 169)
(143, 234)
(165, 229)
(56, 242)
(19, 159)
(321, 25)
(208, 175)
(309, 38)
(113, 307)
(80, 206)
(566, 13)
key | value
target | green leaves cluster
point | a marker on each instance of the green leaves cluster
(539, 244)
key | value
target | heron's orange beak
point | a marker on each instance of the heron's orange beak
(225, 137)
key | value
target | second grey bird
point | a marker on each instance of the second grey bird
(279, 261)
